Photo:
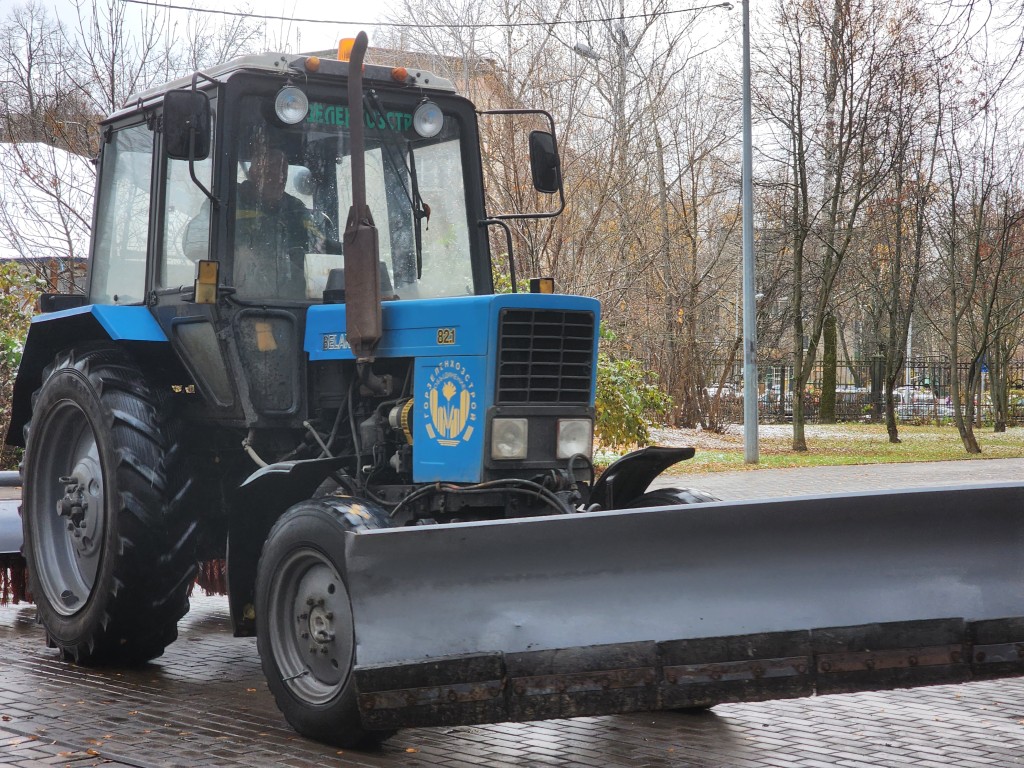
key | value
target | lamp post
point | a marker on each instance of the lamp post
(750, 450)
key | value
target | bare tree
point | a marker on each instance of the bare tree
(46, 191)
(118, 50)
(894, 245)
(979, 183)
(826, 71)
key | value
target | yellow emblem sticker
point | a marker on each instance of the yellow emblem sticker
(449, 410)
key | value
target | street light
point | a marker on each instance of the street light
(750, 452)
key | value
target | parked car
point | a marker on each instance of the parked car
(917, 403)
(728, 392)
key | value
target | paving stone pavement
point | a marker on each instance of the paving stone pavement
(204, 703)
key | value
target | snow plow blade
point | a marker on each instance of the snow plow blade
(609, 612)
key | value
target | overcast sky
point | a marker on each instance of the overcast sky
(313, 36)
(305, 35)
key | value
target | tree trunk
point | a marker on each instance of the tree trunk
(798, 383)
(827, 406)
(999, 371)
(963, 414)
(891, 424)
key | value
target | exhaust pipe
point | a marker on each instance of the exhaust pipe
(362, 273)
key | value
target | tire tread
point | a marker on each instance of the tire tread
(147, 592)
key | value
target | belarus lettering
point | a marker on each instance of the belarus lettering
(335, 341)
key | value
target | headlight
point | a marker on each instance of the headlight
(574, 436)
(508, 438)
(428, 119)
(291, 105)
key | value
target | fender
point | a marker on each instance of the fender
(256, 504)
(54, 331)
(627, 479)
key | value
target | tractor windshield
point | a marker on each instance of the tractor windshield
(293, 192)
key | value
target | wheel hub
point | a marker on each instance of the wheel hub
(321, 623)
(80, 505)
(73, 504)
(313, 637)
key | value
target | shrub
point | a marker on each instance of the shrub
(18, 293)
(628, 399)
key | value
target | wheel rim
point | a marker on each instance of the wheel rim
(70, 518)
(310, 626)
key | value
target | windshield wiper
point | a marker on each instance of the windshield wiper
(420, 211)
(389, 147)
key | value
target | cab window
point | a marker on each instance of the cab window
(121, 235)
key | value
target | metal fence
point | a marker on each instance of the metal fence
(922, 394)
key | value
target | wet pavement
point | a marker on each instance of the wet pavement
(204, 703)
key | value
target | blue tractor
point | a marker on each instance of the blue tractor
(395, 460)
(248, 376)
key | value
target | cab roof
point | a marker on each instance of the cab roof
(287, 64)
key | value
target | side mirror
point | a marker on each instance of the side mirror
(544, 162)
(186, 114)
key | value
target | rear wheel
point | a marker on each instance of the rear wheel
(109, 548)
(304, 625)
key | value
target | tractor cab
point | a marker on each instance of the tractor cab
(267, 196)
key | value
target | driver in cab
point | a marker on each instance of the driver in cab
(273, 232)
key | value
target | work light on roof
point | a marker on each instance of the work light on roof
(291, 105)
(428, 119)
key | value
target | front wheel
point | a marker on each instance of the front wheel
(304, 626)
(669, 497)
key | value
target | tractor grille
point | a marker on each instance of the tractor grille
(545, 356)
